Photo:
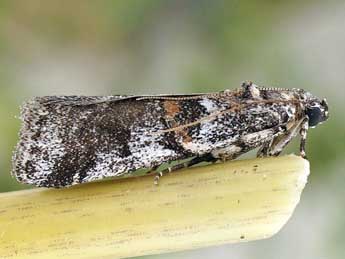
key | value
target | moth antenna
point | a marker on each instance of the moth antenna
(177, 98)
(276, 89)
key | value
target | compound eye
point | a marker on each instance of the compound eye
(315, 116)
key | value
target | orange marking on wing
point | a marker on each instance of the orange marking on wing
(185, 137)
(171, 108)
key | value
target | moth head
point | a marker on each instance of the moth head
(316, 110)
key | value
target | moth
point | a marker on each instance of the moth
(68, 140)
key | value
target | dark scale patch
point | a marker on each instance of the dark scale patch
(255, 122)
(190, 111)
(171, 142)
(87, 163)
(29, 167)
(63, 172)
(124, 150)
(113, 135)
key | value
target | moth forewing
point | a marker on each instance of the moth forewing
(68, 140)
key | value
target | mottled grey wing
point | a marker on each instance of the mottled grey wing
(66, 140)
(61, 135)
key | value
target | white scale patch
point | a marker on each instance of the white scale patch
(258, 136)
(228, 151)
(148, 153)
(209, 105)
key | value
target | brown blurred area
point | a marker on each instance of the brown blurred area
(149, 46)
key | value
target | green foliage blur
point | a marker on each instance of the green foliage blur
(151, 46)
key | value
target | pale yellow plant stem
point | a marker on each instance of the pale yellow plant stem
(198, 207)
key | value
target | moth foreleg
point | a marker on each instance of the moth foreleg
(303, 133)
(264, 149)
(199, 159)
(278, 143)
(153, 169)
(276, 146)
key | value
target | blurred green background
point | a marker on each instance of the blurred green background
(159, 46)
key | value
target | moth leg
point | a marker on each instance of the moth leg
(264, 149)
(169, 170)
(276, 146)
(303, 133)
(204, 158)
(229, 156)
(153, 169)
